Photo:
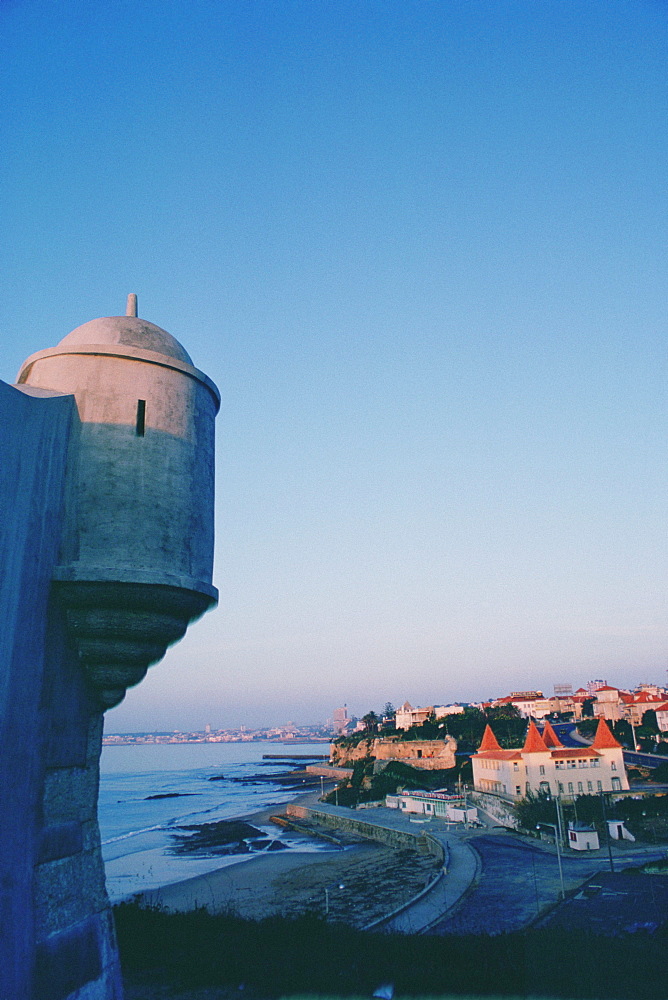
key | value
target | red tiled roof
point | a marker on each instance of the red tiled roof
(550, 738)
(606, 687)
(604, 740)
(499, 754)
(534, 743)
(489, 740)
(572, 753)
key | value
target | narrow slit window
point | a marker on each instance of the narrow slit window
(141, 417)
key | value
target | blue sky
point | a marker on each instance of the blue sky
(421, 248)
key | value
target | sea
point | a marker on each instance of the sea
(137, 829)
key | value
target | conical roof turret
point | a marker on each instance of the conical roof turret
(604, 740)
(534, 743)
(489, 740)
(550, 738)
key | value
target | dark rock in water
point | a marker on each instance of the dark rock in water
(223, 837)
(217, 777)
(267, 845)
(288, 779)
(168, 795)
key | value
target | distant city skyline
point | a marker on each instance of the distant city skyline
(421, 249)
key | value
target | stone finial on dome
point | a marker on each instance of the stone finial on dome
(131, 307)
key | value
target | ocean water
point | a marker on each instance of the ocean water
(137, 830)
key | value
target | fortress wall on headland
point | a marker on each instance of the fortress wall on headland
(428, 755)
(57, 936)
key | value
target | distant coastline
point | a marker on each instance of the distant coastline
(217, 736)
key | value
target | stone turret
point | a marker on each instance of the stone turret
(137, 552)
(106, 553)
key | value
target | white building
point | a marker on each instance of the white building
(662, 716)
(543, 764)
(440, 711)
(407, 716)
(452, 808)
(582, 837)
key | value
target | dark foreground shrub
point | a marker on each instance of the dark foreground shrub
(306, 955)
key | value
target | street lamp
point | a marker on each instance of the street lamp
(553, 826)
(327, 888)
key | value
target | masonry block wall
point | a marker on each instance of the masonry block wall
(57, 935)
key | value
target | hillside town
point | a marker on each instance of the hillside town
(597, 739)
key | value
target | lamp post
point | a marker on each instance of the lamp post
(607, 830)
(327, 888)
(553, 826)
(633, 733)
(322, 787)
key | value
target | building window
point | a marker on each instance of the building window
(582, 763)
(518, 789)
(595, 762)
(141, 417)
(599, 786)
(580, 788)
(545, 787)
(561, 788)
(570, 763)
(570, 787)
(542, 769)
(590, 787)
(616, 785)
(516, 767)
(613, 766)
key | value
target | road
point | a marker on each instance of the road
(518, 880)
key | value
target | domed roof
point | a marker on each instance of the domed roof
(129, 331)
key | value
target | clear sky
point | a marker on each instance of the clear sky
(421, 248)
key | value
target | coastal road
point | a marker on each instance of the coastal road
(517, 881)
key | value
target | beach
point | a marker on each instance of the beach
(358, 883)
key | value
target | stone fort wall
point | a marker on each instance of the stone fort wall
(57, 936)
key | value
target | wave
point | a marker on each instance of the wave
(175, 821)
(133, 833)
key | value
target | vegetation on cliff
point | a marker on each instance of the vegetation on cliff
(365, 786)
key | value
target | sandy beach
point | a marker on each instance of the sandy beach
(358, 883)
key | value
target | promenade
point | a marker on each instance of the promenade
(492, 881)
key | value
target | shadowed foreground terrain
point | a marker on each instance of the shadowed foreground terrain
(200, 956)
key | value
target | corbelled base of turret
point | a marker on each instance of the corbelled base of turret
(120, 629)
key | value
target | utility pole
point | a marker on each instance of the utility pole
(607, 830)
